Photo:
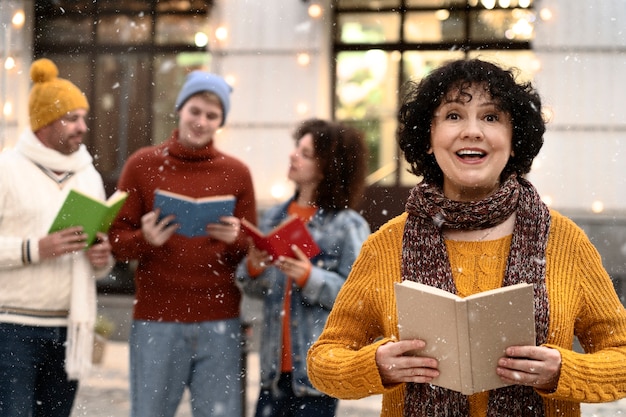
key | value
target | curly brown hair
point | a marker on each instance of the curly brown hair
(341, 154)
(420, 100)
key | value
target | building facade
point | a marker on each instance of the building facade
(287, 62)
(344, 59)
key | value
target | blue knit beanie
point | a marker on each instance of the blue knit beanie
(199, 81)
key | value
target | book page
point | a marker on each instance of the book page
(177, 196)
(429, 314)
(498, 319)
(466, 335)
(116, 197)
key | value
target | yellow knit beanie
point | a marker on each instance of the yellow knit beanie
(51, 97)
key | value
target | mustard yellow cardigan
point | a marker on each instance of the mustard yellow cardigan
(582, 303)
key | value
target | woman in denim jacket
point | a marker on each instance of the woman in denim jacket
(328, 167)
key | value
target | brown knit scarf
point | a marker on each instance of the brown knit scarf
(425, 260)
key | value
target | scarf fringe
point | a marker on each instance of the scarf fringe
(82, 319)
(79, 350)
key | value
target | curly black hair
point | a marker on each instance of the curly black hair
(420, 100)
(341, 154)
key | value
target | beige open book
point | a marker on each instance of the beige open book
(466, 335)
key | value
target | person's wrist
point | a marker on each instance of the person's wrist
(302, 279)
(254, 268)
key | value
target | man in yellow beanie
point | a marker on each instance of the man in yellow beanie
(48, 296)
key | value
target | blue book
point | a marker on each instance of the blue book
(193, 214)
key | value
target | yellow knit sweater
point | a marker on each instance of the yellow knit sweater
(582, 303)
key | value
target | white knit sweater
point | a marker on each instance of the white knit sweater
(29, 200)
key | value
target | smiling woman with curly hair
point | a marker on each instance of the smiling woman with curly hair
(474, 224)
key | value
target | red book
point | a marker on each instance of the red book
(279, 240)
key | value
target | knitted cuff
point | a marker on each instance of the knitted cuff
(26, 258)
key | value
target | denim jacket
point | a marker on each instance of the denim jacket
(339, 234)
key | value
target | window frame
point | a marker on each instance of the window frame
(78, 59)
(467, 46)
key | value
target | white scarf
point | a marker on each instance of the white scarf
(82, 316)
(81, 320)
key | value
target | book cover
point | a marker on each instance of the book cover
(279, 240)
(93, 214)
(466, 335)
(193, 214)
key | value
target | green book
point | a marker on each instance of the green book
(93, 214)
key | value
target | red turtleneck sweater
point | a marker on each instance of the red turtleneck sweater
(185, 280)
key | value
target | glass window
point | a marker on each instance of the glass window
(193, 6)
(121, 120)
(416, 38)
(368, 28)
(62, 31)
(524, 63)
(127, 66)
(125, 5)
(435, 3)
(61, 7)
(123, 29)
(418, 64)
(366, 97)
(496, 25)
(367, 4)
(180, 29)
(366, 84)
(435, 26)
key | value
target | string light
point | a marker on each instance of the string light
(230, 79)
(489, 4)
(201, 39)
(545, 14)
(597, 206)
(304, 59)
(302, 108)
(7, 109)
(221, 33)
(9, 63)
(18, 19)
(315, 11)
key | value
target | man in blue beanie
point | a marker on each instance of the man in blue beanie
(199, 81)
(186, 327)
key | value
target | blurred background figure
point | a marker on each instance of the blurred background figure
(186, 325)
(328, 167)
(48, 296)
